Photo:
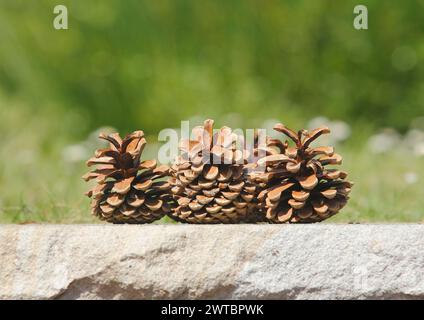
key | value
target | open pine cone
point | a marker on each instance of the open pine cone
(297, 185)
(209, 179)
(127, 190)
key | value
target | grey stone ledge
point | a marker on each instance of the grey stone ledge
(320, 261)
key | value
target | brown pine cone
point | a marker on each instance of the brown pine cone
(209, 181)
(297, 186)
(262, 146)
(127, 190)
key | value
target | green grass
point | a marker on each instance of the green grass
(381, 192)
(38, 185)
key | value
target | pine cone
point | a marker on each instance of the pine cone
(296, 184)
(127, 190)
(209, 182)
(262, 146)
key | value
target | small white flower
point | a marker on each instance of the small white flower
(340, 130)
(318, 122)
(75, 153)
(410, 177)
(414, 141)
(419, 149)
(384, 141)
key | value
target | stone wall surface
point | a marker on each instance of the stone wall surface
(321, 261)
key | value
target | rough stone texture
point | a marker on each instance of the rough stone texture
(318, 261)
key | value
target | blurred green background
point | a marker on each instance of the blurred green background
(130, 64)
